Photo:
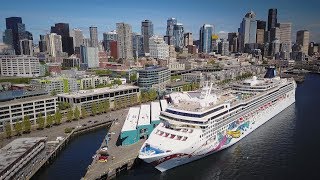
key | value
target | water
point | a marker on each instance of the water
(286, 147)
(73, 161)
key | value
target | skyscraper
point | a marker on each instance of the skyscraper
(137, 45)
(169, 33)
(146, 32)
(248, 30)
(272, 19)
(206, 38)
(77, 36)
(233, 42)
(124, 43)
(223, 47)
(178, 32)
(303, 40)
(26, 47)
(285, 36)
(94, 36)
(15, 31)
(188, 39)
(109, 37)
(158, 48)
(54, 44)
(261, 28)
(42, 44)
(62, 29)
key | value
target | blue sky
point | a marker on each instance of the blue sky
(39, 15)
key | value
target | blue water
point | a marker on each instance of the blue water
(73, 161)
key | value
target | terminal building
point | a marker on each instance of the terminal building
(141, 121)
(85, 98)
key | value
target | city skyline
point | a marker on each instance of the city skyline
(225, 16)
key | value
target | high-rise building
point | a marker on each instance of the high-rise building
(188, 40)
(214, 43)
(114, 49)
(206, 38)
(146, 32)
(89, 56)
(62, 29)
(26, 47)
(169, 33)
(124, 43)
(178, 32)
(19, 65)
(158, 48)
(86, 42)
(275, 33)
(137, 45)
(248, 30)
(261, 28)
(303, 38)
(233, 42)
(94, 36)
(42, 44)
(109, 37)
(272, 19)
(77, 36)
(15, 31)
(53, 44)
(223, 47)
(285, 36)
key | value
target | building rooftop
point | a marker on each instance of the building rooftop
(82, 93)
(19, 101)
(17, 94)
(131, 120)
(18, 147)
(144, 116)
(155, 111)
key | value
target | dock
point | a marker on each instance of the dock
(120, 158)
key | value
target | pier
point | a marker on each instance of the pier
(121, 158)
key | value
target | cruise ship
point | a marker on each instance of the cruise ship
(197, 124)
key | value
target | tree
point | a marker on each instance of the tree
(117, 81)
(132, 100)
(8, 129)
(26, 124)
(101, 108)
(49, 121)
(69, 115)
(53, 92)
(40, 121)
(106, 105)
(57, 118)
(84, 112)
(94, 108)
(133, 77)
(152, 95)
(76, 113)
(18, 128)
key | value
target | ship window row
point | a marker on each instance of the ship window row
(195, 115)
(180, 120)
(171, 136)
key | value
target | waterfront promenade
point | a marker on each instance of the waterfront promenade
(121, 157)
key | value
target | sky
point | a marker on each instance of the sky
(225, 15)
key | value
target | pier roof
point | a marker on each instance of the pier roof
(144, 117)
(131, 120)
(155, 111)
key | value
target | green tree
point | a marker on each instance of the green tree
(106, 105)
(84, 113)
(26, 124)
(18, 128)
(132, 100)
(40, 121)
(117, 81)
(69, 115)
(76, 113)
(94, 108)
(57, 118)
(185, 87)
(152, 94)
(8, 129)
(49, 121)
(53, 92)
(133, 77)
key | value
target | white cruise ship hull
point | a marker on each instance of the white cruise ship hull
(166, 161)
